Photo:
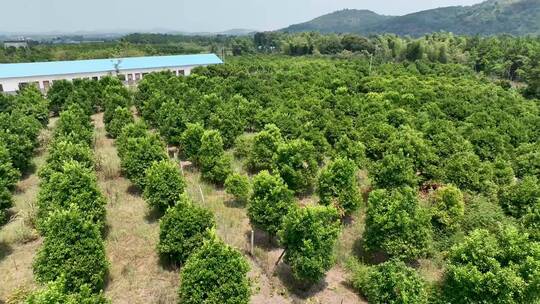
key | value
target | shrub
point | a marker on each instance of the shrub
(500, 267)
(243, 145)
(9, 176)
(296, 162)
(61, 151)
(6, 201)
(113, 100)
(72, 248)
(270, 202)
(465, 170)
(238, 186)
(265, 145)
(353, 150)
(172, 121)
(518, 198)
(164, 185)
(74, 125)
(215, 166)
(447, 206)
(58, 94)
(396, 225)
(55, 292)
(183, 229)
(216, 273)
(308, 236)
(338, 186)
(190, 142)
(139, 154)
(394, 170)
(133, 130)
(121, 117)
(390, 282)
(30, 102)
(73, 185)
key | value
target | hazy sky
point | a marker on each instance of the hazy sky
(186, 15)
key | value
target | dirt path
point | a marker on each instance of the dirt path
(19, 241)
(135, 273)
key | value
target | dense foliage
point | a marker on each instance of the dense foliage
(164, 184)
(120, 118)
(215, 164)
(308, 236)
(73, 249)
(216, 273)
(56, 292)
(270, 202)
(138, 152)
(338, 186)
(396, 224)
(183, 230)
(238, 185)
(73, 184)
(390, 282)
(501, 267)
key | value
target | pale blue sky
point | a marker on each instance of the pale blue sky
(186, 15)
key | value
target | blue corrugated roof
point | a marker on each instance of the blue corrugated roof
(13, 70)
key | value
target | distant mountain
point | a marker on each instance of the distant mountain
(340, 22)
(516, 17)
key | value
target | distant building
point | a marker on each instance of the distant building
(16, 44)
(13, 76)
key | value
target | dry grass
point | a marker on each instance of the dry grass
(19, 240)
(136, 275)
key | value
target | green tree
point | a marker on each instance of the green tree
(120, 118)
(447, 206)
(238, 185)
(74, 125)
(308, 236)
(60, 152)
(216, 273)
(396, 225)
(183, 230)
(56, 292)
(296, 162)
(270, 202)
(164, 184)
(215, 165)
(353, 150)
(265, 145)
(338, 186)
(58, 94)
(9, 176)
(390, 282)
(394, 170)
(73, 249)
(521, 196)
(139, 154)
(73, 184)
(190, 142)
(499, 267)
(172, 121)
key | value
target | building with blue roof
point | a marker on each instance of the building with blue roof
(16, 75)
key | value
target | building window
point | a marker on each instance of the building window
(130, 78)
(95, 78)
(46, 84)
(181, 72)
(1, 88)
(137, 76)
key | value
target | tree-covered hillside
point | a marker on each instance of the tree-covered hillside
(516, 17)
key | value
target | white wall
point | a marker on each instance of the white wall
(12, 84)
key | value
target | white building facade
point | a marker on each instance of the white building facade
(131, 70)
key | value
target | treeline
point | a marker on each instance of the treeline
(21, 119)
(451, 160)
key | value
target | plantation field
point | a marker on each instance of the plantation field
(403, 182)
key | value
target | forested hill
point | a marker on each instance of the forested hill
(516, 17)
